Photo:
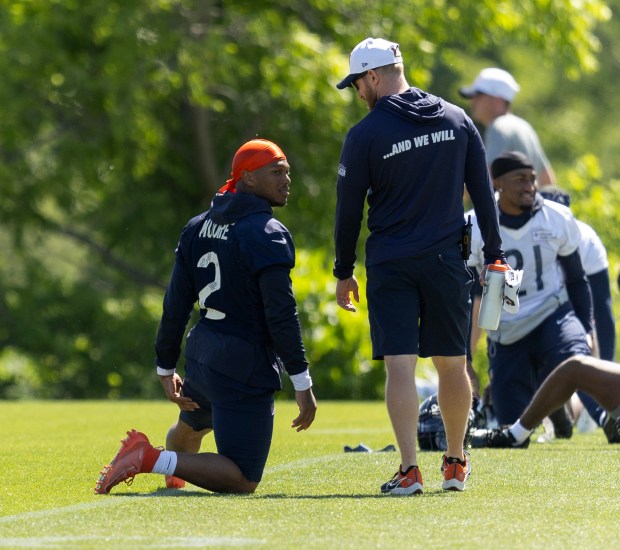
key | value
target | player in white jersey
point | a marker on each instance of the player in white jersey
(554, 321)
(596, 265)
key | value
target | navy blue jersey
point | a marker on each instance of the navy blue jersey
(410, 158)
(234, 260)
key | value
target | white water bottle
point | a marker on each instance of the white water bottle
(492, 296)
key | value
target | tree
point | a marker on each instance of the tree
(119, 123)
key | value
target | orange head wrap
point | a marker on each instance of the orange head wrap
(251, 156)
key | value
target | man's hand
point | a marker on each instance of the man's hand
(173, 388)
(343, 288)
(307, 409)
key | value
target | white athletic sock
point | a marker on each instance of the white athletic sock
(519, 432)
(166, 463)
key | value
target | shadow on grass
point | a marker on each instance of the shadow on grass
(427, 494)
(560, 447)
(184, 493)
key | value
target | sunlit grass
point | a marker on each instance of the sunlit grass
(313, 495)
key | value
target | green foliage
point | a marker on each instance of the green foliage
(119, 123)
(337, 341)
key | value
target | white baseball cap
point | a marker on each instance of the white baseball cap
(492, 81)
(370, 54)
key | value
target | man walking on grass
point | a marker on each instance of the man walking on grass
(409, 158)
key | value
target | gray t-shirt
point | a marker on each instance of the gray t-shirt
(511, 133)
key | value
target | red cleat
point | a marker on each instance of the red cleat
(173, 482)
(127, 463)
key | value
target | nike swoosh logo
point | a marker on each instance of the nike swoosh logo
(392, 484)
(561, 319)
(279, 241)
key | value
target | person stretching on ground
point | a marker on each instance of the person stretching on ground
(596, 377)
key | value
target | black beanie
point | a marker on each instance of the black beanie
(507, 162)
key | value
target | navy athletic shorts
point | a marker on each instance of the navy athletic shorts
(241, 416)
(202, 418)
(517, 370)
(420, 306)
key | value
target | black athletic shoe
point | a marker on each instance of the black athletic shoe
(498, 438)
(611, 428)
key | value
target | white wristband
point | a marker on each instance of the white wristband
(301, 381)
(165, 372)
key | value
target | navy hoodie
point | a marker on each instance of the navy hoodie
(410, 158)
(235, 261)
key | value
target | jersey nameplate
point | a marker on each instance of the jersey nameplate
(212, 230)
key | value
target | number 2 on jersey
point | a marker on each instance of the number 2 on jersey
(205, 261)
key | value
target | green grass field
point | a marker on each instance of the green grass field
(563, 494)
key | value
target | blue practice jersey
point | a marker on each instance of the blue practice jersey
(234, 260)
(411, 158)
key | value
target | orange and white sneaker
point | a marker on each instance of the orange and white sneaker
(173, 482)
(129, 461)
(405, 483)
(455, 472)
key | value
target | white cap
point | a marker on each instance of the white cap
(370, 54)
(494, 82)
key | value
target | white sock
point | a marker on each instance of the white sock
(166, 463)
(519, 432)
